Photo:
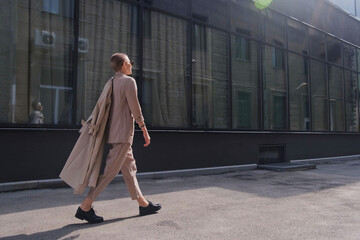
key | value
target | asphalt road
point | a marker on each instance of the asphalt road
(256, 204)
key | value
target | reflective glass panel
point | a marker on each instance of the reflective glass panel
(210, 83)
(244, 18)
(10, 111)
(165, 66)
(274, 88)
(334, 51)
(298, 91)
(347, 5)
(351, 91)
(319, 96)
(213, 12)
(349, 56)
(358, 59)
(297, 36)
(273, 27)
(180, 7)
(245, 82)
(37, 62)
(336, 99)
(106, 27)
(317, 43)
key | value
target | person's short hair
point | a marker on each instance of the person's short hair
(117, 60)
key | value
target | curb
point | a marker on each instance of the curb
(328, 159)
(58, 183)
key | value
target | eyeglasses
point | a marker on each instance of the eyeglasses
(131, 62)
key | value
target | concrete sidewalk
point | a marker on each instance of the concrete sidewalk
(256, 204)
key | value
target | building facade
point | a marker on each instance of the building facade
(220, 82)
(350, 6)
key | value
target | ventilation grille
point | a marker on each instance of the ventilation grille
(271, 154)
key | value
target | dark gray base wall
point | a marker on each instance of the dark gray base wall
(40, 154)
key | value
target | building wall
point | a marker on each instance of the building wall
(216, 82)
(322, 15)
(172, 150)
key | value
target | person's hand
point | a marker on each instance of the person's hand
(146, 138)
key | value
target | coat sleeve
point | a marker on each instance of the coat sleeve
(132, 99)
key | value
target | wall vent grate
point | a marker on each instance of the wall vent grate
(271, 154)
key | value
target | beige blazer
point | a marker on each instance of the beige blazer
(83, 165)
(125, 108)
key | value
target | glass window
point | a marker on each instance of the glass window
(213, 12)
(147, 24)
(273, 27)
(181, 7)
(199, 38)
(358, 59)
(38, 85)
(242, 48)
(274, 87)
(317, 43)
(347, 5)
(245, 84)
(134, 13)
(244, 19)
(165, 66)
(106, 27)
(297, 36)
(334, 51)
(349, 56)
(336, 99)
(319, 96)
(351, 90)
(64, 8)
(9, 111)
(51, 6)
(210, 85)
(298, 92)
(278, 59)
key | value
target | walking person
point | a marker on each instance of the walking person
(112, 122)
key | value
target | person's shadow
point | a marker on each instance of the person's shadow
(65, 230)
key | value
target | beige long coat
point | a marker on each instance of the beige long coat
(83, 165)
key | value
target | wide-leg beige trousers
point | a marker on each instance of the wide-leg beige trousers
(120, 157)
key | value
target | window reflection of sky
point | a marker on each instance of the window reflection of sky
(348, 5)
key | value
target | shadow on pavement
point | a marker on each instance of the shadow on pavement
(63, 231)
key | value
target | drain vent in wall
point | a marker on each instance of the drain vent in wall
(271, 154)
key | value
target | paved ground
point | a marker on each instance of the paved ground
(316, 204)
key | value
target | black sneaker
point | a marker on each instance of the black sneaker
(89, 216)
(150, 209)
